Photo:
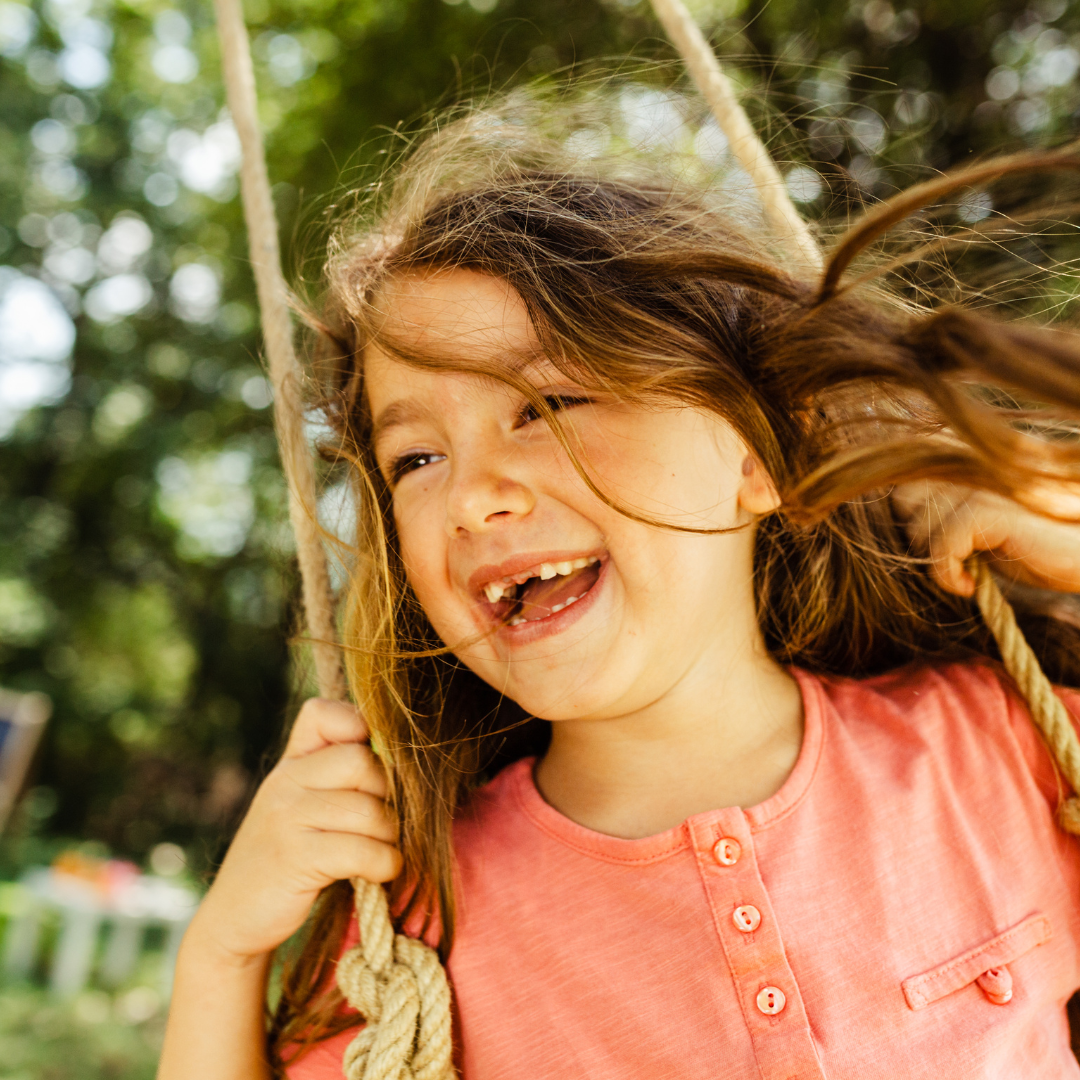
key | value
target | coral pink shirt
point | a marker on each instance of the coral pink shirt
(903, 906)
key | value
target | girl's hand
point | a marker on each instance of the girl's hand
(950, 523)
(318, 817)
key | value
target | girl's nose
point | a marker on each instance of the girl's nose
(483, 496)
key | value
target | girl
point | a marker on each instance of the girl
(693, 757)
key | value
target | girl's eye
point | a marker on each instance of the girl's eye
(556, 402)
(408, 463)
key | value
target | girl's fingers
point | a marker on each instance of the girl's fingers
(913, 503)
(322, 722)
(335, 856)
(340, 766)
(981, 524)
(348, 812)
(950, 543)
(925, 506)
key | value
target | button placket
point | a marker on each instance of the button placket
(750, 936)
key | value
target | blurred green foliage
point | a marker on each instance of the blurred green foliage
(146, 581)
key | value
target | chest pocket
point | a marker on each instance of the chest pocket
(986, 964)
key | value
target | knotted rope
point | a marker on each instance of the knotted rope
(1047, 709)
(399, 986)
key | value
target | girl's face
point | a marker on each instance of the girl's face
(567, 606)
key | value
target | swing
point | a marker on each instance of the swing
(396, 982)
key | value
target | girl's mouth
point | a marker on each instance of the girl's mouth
(542, 591)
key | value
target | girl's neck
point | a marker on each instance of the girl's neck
(727, 735)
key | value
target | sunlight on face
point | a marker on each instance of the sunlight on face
(567, 605)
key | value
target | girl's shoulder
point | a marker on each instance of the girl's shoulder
(978, 686)
(489, 809)
(979, 689)
(961, 711)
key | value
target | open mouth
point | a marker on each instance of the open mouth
(543, 590)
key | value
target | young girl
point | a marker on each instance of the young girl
(693, 757)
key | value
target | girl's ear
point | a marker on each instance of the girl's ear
(757, 493)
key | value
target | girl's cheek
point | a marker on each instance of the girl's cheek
(416, 525)
(419, 580)
(418, 540)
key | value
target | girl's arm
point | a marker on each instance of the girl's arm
(952, 523)
(319, 816)
(217, 1018)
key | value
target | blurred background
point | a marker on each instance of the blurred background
(147, 586)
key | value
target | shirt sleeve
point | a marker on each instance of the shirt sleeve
(1036, 751)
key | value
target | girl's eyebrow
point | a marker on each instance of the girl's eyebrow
(409, 410)
(397, 414)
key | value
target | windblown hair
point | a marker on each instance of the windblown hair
(640, 280)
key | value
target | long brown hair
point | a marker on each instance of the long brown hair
(641, 278)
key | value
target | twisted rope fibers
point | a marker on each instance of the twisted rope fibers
(716, 89)
(399, 986)
(1047, 709)
(286, 374)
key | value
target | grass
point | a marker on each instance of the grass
(98, 1036)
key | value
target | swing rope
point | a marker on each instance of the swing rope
(1047, 709)
(286, 375)
(715, 87)
(396, 982)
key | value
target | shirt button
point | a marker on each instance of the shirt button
(746, 918)
(771, 1000)
(726, 851)
(996, 984)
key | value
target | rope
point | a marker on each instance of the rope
(286, 375)
(398, 984)
(717, 90)
(1047, 709)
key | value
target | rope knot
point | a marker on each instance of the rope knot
(400, 988)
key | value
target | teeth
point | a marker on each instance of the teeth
(516, 622)
(496, 590)
(572, 600)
